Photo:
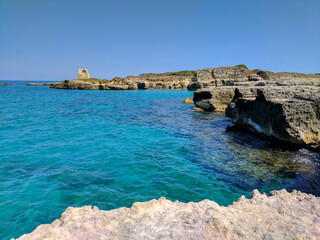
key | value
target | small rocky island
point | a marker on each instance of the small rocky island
(169, 80)
(284, 106)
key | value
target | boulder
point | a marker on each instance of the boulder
(264, 75)
(213, 99)
(188, 100)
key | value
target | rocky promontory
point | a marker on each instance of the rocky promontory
(170, 80)
(281, 215)
(281, 105)
(290, 114)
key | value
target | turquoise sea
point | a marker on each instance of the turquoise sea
(61, 148)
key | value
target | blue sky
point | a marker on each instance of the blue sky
(50, 40)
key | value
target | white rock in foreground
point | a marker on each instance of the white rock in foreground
(281, 215)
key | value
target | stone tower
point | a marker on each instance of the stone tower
(83, 74)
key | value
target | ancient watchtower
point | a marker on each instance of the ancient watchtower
(83, 74)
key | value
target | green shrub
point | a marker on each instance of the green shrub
(180, 73)
(242, 66)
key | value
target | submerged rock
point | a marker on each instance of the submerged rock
(281, 215)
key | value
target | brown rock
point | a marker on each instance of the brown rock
(188, 100)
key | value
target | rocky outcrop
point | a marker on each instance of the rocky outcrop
(220, 76)
(188, 100)
(235, 76)
(5, 84)
(291, 114)
(281, 105)
(213, 99)
(281, 215)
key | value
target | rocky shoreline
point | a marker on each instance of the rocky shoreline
(285, 106)
(170, 80)
(281, 215)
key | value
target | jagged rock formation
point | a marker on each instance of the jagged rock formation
(281, 215)
(83, 74)
(214, 77)
(213, 99)
(281, 105)
(290, 114)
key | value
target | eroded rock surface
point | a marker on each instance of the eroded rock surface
(213, 99)
(239, 76)
(281, 215)
(290, 114)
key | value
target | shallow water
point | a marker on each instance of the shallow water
(63, 148)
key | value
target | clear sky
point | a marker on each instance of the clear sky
(51, 39)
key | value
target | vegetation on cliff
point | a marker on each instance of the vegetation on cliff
(180, 73)
(242, 66)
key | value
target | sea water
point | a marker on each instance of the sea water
(61, 148)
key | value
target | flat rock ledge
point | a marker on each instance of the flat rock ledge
(281, 215)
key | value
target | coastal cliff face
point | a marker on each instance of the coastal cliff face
(281, 215)
(290, 114)
(174, 80)
(282, 105)
(242, 76)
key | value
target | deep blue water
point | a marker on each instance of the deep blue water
(63, 148)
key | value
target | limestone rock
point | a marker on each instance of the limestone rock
(289, 113)
(281, 215)
(188, 100)
(215, 77)
(213, 99)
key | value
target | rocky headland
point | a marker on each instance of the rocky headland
(170, 80)
(285, 106)
(281, 215)
(6, 84)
